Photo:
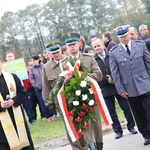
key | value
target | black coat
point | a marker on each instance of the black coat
(20, 96)
(148, 45)
(110, 44)
(107, 89)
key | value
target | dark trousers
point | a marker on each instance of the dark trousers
(34, 103)
(28, 108)
(110, 102)
(141, 109)
(45, 111)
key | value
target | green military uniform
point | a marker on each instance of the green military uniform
(51, 71)
(94, 132)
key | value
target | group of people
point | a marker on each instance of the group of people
(109, 83)
(121, 70)
(125, 71)
(32, 99)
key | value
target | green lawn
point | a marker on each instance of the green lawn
(44, 130)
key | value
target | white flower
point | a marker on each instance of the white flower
(91, 102)
(78, 92)
(91, 91)
(75, 103)
(83, 83)
(84, 97)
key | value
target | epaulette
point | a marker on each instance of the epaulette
(63, 58)
(113, 47)
(86, 54)
(140, 41)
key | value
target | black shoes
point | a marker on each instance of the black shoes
(99, 145)
(118, 136)
(133, 131)
(147, 142)
(96, 146)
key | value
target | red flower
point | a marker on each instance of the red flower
(70, 113)
(66, 67)
(78, 119)
(91, 110)
(84, 106)
(80, 133)
(82, 114)
(86, 126)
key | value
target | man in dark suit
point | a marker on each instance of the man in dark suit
(109, 91)
(130, 68)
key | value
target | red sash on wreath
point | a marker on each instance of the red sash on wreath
(97, 94)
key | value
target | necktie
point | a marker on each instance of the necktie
(128, 51)
(103, 57)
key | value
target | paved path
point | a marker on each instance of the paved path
(127, 142)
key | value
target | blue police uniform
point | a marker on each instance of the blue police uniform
(131, 74)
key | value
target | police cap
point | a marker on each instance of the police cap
(122, 30)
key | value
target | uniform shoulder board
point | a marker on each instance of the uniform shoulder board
(86, 54)
(140, 41)
(114, 47)
(64, 58)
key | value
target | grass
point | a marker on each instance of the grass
(43, 130)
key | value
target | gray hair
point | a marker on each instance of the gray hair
(135, 30)
(142, 26)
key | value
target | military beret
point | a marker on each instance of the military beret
(122, 30)
(71, 38)
(53, 47)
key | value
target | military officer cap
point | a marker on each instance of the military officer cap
(53, 47)
(122, 30)
(71, 38)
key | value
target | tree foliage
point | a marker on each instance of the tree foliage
(29, 30)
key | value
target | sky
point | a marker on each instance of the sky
(15, 5)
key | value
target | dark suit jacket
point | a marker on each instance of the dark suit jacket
(148, 45)
(107, 89)
(110, 44)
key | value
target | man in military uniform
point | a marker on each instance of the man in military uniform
(130, 68)
(51, 71)
(93, 135)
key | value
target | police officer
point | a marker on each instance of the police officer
(130, 68)
(92, 137)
